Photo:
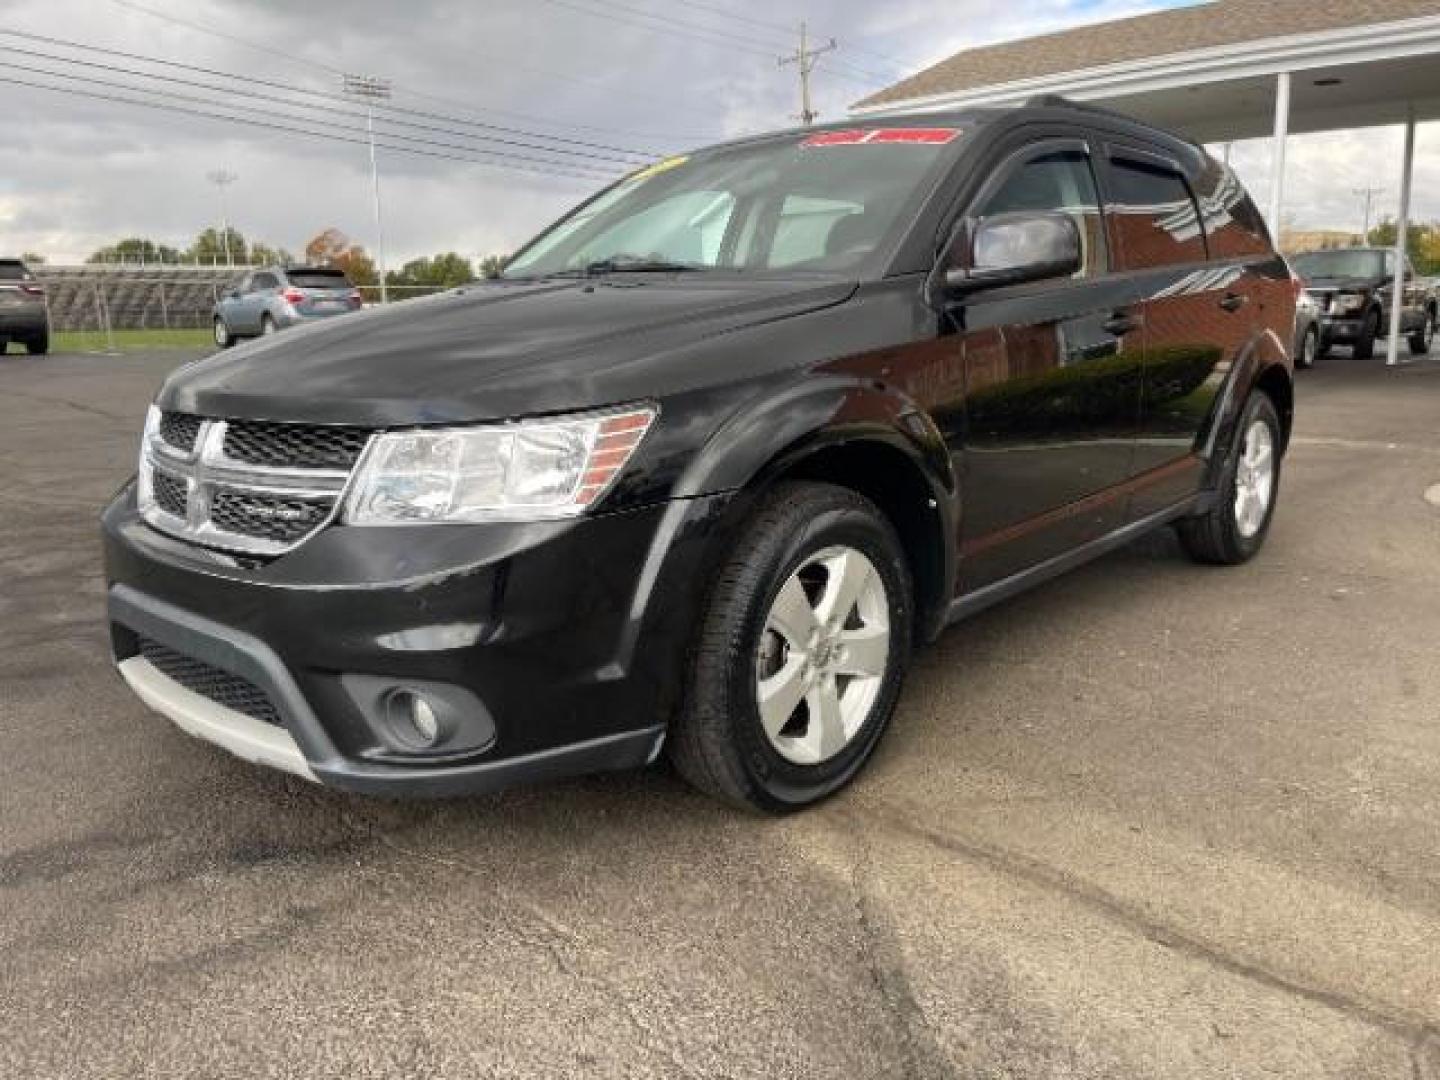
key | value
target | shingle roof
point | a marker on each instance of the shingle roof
(1219, 23)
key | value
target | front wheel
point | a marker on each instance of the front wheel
(1234, 529)
(1422, 339)
(801, 653)
(1365, 343)
(1309, 349)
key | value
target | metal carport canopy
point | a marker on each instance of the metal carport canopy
(1231, 69)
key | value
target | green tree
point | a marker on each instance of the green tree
(1422, 242)
(436, 272)
(33, 258)
(135, 249)
(210, 247)
(492, 265)
(265, 255)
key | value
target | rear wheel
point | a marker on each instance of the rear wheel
(1422, 339)
(1365, 343)
(801, 654)
(38, 345)
(1234, 529)
(267, 325)
(223, 338)
(1309, 349)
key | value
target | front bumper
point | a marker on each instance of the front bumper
(1341, 329)
(551, 649)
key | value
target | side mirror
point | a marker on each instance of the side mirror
(1012, 249)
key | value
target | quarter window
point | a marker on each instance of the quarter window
(1155, 219)
(1060, 181)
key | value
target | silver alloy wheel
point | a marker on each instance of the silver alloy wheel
(222, 333)
(267, 325)
(823, 655)
(1254, 479)
(1429, 332)
(1310, 348)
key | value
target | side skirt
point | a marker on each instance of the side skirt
(973, 603)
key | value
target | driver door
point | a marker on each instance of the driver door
(1052, 383)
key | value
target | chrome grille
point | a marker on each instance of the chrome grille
(255, 488)
(170, 493)
(180, 430)
(294, 446)
(281, 518)
(221, 687)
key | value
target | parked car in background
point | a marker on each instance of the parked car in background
(24, 316)
(1307, 331)
(1353, 288)
(712, 454)
(270, 299)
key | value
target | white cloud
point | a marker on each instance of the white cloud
(80, 173)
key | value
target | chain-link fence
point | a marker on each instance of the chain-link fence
(108, 298)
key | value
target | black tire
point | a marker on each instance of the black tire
(223, 337)
(4, 345)
(1216, 537)
(717, 741)
(38, 345)
(1309, 348)
(1422, 339)
(1365, 343)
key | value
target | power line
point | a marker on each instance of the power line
(619, 12)
(259, 95)
(551, 169)
(323, 95)
(576, 167)
(311, 65)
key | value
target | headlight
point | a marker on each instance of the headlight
(1347, 302)
(533, 469)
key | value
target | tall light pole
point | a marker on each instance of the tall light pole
(371, 89)
(1368, 194)
(223, 178)
(804, 58)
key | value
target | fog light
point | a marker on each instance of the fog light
(414, 718)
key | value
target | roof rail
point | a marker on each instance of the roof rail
(1060, 101)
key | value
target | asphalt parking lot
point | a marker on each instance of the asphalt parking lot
(1154, 820)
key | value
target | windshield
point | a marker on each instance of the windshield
(1341, 264)
(822, 202)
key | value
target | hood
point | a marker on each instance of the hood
(1333, 284)
(492, 351)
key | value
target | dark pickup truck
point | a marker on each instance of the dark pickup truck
(1353, 287)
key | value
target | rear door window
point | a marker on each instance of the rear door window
(262, 282)
(1153, 215)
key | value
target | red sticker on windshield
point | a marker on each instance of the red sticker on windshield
(866, 136)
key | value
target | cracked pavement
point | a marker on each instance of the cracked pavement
(1152, 820)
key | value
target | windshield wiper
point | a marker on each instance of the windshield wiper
(637, 264)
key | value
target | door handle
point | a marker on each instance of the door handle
(1234, 301)
(1120, 324)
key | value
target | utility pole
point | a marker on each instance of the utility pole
(370, 89)
(804, 59)
(223, 178)
(1368, 194)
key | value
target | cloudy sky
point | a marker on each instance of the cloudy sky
(542, 98)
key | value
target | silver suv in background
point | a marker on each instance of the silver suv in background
(272, 298)
(23, 314)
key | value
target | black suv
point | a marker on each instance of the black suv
(24, 316)
(1353, 289)
(715, 453)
